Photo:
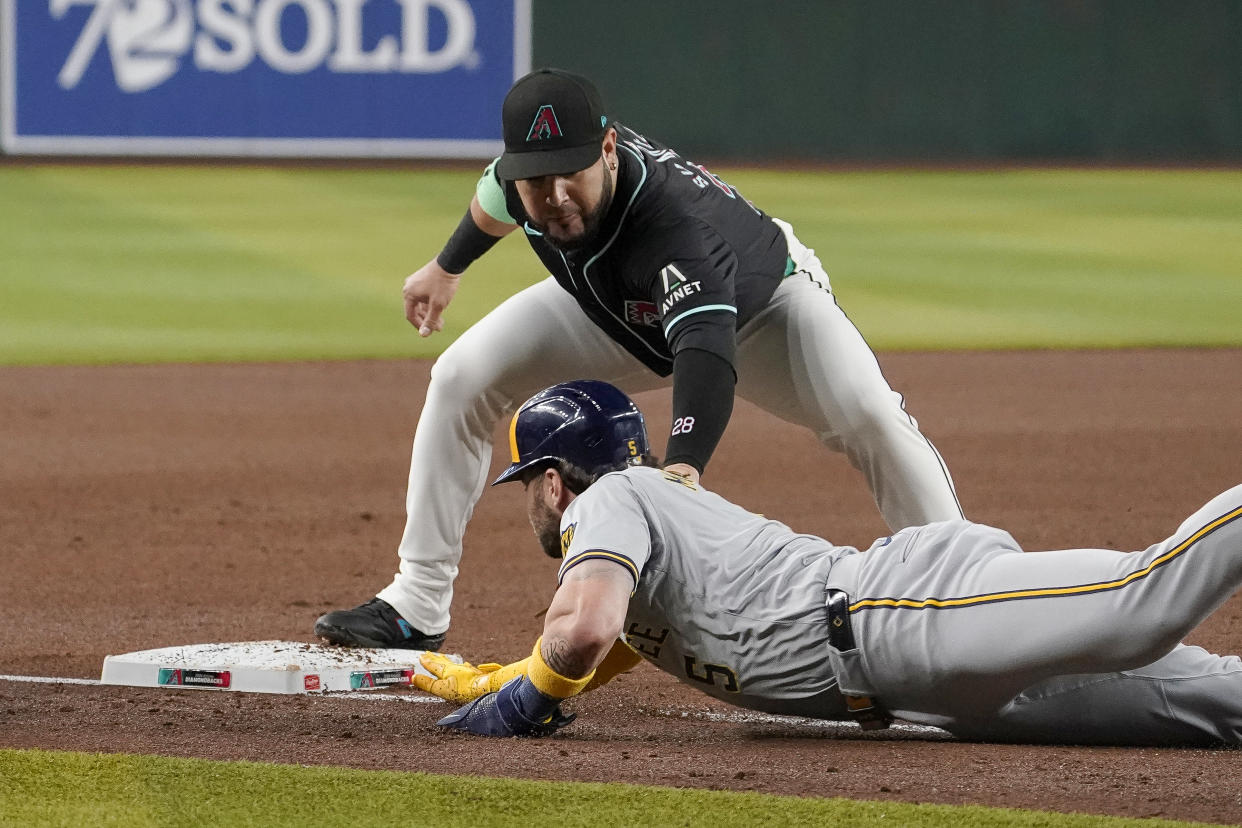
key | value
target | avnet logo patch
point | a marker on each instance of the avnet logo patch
(147, 40)
(405, 77)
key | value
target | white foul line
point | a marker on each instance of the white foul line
(844, 727)
(49, 680)
(421, 698)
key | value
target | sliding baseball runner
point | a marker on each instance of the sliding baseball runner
(950, 624)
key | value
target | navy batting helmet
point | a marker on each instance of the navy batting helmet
(587, 423)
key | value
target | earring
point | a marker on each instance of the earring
(612, 165)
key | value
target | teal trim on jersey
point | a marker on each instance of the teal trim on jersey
(790, 267)
(1053, 592)
(601, 555)
(530, 231)
(491, 195)
(692, 311)
(620, 223)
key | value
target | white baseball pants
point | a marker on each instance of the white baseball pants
(800, 359)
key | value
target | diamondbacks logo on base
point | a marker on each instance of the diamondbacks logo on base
(181, 677)
(367, 679)
(545, 125)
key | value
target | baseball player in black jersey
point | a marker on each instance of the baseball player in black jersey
(659, 270)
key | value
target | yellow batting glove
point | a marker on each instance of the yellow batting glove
(461, 683)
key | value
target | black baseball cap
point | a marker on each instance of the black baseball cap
(553, 122)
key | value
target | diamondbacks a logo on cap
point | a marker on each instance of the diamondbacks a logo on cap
(545, 125)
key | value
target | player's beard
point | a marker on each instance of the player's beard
(547, 526)
(590, 226)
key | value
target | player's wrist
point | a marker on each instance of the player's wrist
(523, 698)
(467, 244)
(527, 712)
(550, 683)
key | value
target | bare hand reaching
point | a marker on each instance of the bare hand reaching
(427, 293)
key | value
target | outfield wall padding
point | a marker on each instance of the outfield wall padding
(933, 80)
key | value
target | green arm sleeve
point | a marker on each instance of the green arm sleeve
(491, 195)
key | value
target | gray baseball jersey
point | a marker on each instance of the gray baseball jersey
(728, 600)
(955, 625)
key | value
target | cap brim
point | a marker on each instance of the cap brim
(510, 473)
(514, 166)
(515, 470)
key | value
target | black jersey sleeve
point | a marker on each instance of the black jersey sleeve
(703, 387)
(695, 293)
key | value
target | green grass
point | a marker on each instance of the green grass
(1025, 258)
(193, 263)
(170, 263)
(71, 789)
(107, 263)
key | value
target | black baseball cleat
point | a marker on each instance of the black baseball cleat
(374, 624)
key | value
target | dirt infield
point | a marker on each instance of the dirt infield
(160, 505)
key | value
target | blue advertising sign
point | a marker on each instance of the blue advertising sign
(344, 78)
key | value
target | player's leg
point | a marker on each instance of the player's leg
(804, 361)
(954, 618)
(1189, 697)
(534, 339)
